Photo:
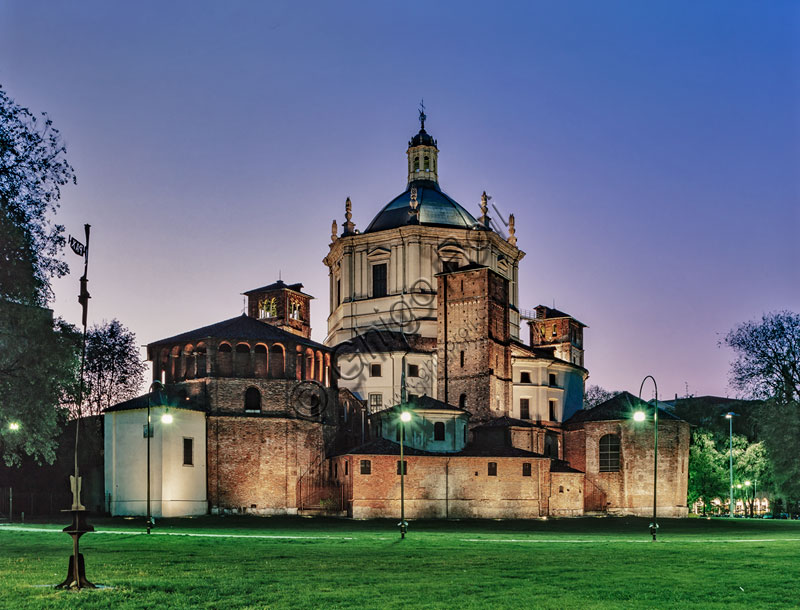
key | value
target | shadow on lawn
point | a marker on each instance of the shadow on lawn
(603, 526)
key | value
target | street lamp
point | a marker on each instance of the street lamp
(405, 417)
(13, 426)
(639, 416)
(739, 487)
(729, 416)
(167, 419)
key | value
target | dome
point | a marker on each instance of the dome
(435, 209)
(423, 138)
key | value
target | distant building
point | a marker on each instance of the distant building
(424, 317)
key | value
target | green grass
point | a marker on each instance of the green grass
(558, 563)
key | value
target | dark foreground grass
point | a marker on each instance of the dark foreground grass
(567, 563)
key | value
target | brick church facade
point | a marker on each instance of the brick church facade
(424, 318)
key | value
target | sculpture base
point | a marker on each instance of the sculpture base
(76, 573)
(81, 582)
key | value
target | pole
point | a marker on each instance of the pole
(655, 463)
(149, 394)
(402, 483)
(83, 299)
(654, 524)
(155, 384)
(730, 457)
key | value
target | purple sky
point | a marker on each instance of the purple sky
(649, 151)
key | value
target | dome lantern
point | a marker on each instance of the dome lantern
(423, 155)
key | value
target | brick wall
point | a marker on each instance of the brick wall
(630, 490)
(458, 487)
(254, 462)
(473, 321)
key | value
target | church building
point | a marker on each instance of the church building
(424, 318)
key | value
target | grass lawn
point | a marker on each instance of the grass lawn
(241, 562)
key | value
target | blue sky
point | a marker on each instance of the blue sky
(649, 152)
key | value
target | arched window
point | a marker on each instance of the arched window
(225, 360)
(309, 364)
(550, 446)
(416, 164)
(319, 373)
(241, 360)
(276, 358)
(188, 370)
(261, 360)
(462, 401)
(609, 453)
(427, 164)
(252, 400)
(175, 363)
(201, 359)
(438, 431)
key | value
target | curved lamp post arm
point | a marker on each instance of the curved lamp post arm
(654, 524)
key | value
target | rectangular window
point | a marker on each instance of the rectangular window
(374, 370)
(449, 266)
(553, 380)
(462, 358)
(366, 467)
(405, 467)
(524, 408)
(346, 468)
(338, 292)
(524, 377)
(413, 370)
(492, 469)
(552, 410)
(526, 469)
(188, 452)
(379, 280)
(376, 401)
(412, 397)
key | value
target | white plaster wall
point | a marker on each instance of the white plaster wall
(355, 375)
(539, 391)
(175, 490)
(413, 256)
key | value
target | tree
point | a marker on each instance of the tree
(38, 356)
(38, 367)
(114, 369)
(595, 395)
(32, 171)
(707, 477)
(767, 361)
(753, 465)
(767, 366)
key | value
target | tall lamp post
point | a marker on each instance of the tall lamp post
(167, 419)
(640, 416)
(405, 417)
(729, 416)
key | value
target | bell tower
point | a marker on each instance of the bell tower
(283, 305)
(423, 155)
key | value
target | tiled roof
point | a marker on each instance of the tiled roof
(379, 341)
(562, 466)
(241, 327)
(278, 286)
(620, 407)
(159, 399)
(383, 446)
(505, 422)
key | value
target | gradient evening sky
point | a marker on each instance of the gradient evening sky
(649, 150)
